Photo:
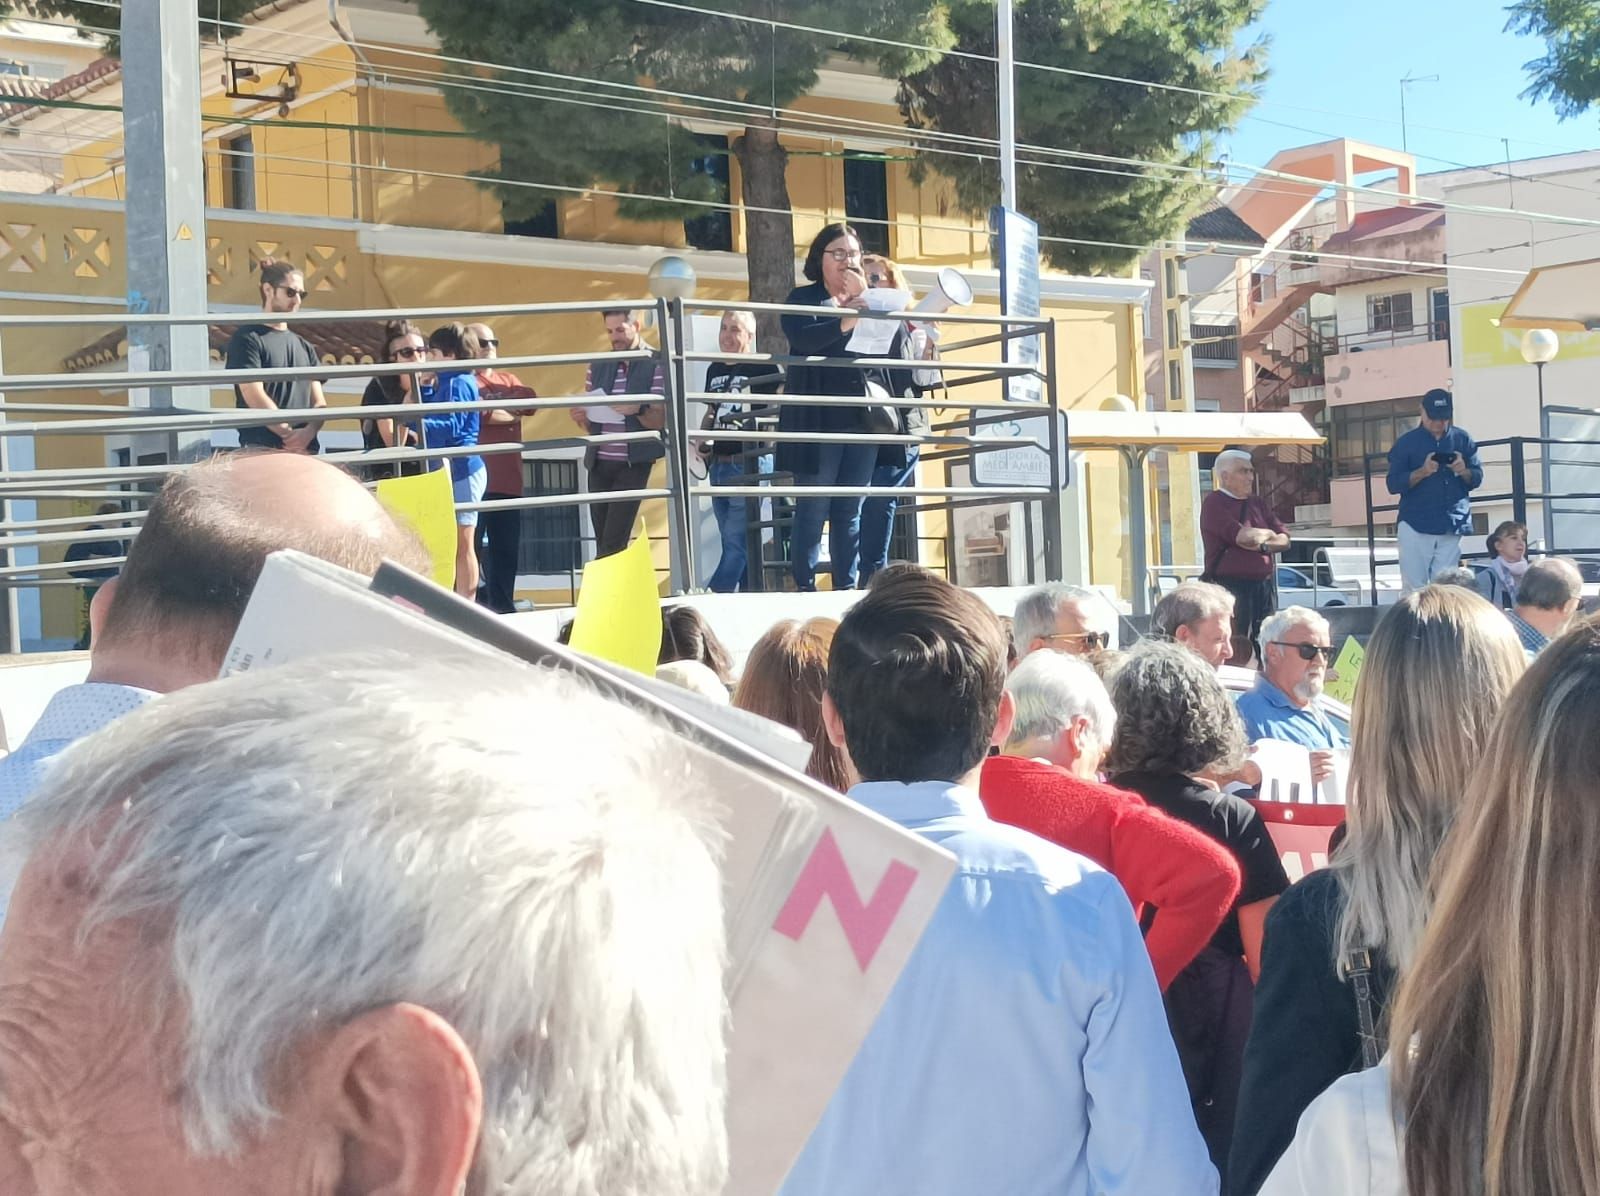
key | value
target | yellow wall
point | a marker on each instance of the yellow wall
(1098, 345)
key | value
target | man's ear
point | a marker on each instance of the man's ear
(1005, 719)
(1181, 634)
(831, 721)
(99, 608)
(400, 1089)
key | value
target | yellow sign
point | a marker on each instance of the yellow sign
(426, 504)
(1342, 680)
(619, 610)
(1485, 346)
(183, 233)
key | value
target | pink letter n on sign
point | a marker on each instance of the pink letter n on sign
(865, 923)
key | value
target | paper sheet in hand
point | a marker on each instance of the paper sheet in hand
(1346, 671)
(873, 338)
(824, 900)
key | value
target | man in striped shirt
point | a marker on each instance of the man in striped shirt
(621, 465)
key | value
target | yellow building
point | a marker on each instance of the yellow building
(348, 161)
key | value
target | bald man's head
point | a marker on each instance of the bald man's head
(196, 559)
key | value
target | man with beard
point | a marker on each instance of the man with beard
(1296, 648)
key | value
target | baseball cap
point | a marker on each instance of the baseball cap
(1438, 404)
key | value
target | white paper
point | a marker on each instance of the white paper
(604, 415)
(809, 965)
(873, 338)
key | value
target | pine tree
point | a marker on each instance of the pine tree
(1084, 182)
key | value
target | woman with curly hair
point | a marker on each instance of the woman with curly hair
(1174, 723)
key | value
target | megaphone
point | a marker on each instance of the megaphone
(952, 290)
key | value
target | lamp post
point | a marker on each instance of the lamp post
(1539, 347)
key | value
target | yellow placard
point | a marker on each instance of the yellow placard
(426, 504)
(619, 611)
(1485, 345)
(1342, 682)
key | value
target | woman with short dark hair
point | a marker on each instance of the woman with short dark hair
(835, 280)
(402, 343)
(1508, 561)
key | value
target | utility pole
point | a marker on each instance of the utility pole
(165, 211)
(1007, 68)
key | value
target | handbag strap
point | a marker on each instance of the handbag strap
(1358, 968)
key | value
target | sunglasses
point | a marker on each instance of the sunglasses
(489, 342)
(295, 291)
(1092, 640)
(410, 353)
(1307, 651)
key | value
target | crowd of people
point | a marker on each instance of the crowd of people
(348, 919)
(625, 422)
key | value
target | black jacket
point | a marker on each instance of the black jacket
(1304, 1035)
(816, 336)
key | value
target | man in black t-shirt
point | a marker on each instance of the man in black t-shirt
(272, 346)
(730, 460)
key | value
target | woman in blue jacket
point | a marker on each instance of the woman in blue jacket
(448, 427)
(833, 266)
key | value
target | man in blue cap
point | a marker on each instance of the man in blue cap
(1433, 468)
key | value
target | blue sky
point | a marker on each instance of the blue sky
(1346, 57)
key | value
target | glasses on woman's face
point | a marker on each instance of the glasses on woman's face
(410, 352)
(845, 255)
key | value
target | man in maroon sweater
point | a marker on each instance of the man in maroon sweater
(1045, 782)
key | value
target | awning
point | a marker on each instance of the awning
(1563, 297)
(1187, 431)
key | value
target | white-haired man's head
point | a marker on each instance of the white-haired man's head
(1061, 617)
(1235, 472)
(1198, 615)
(1064, 714)
(1295, 651)
(347, 927)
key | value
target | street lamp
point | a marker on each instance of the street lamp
(1539, 348)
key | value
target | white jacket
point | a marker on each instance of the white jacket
(1345, 1144)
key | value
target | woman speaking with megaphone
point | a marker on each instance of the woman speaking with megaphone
(836, 279)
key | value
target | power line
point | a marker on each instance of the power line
(1251, 174)
(1061, 70)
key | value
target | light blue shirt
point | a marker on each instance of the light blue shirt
(1024, 1049)
(76, 712)
(1268, 714)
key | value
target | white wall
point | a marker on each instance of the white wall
(1497, 394)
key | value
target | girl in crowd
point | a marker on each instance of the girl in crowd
(835, 279)
(1174, 723)
(1490, 1087)
(448, 428)
(1350, 928)
(784, 679)
(685, 635)
(402, 342)
(1508, 561)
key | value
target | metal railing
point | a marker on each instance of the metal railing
(975, 364)
(1519, 496)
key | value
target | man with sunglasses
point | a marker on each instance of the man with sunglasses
(499, 532)
(1296, 649)
(1062, 618)
(272, 345)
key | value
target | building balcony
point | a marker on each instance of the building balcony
(1382, 369)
